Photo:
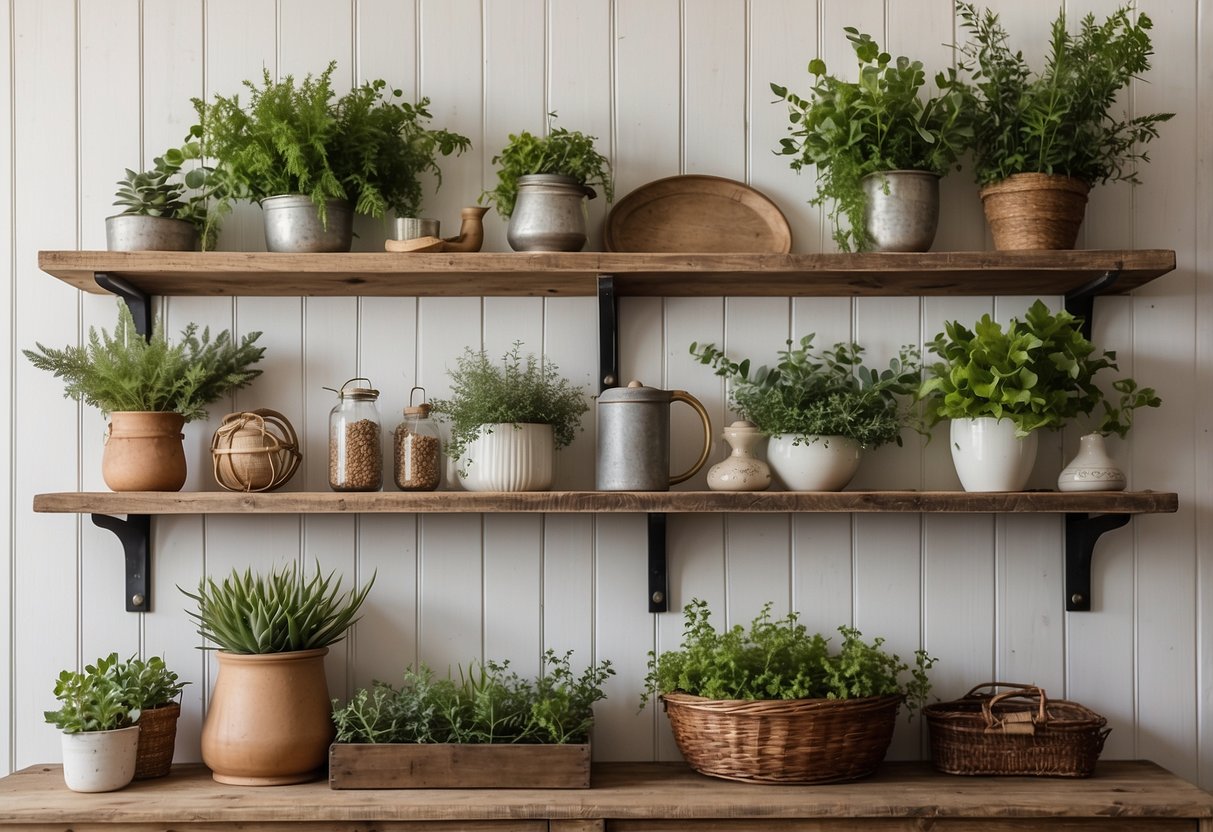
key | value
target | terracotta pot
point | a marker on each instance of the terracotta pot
(143, 452)
(1032, 211)
(269, 720)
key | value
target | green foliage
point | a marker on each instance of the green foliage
(490, 704)
(1039, 372)
(1058, 121)
(95, 700)
(127, 372)
(518, 391)
(148, 684)
(849, 130)
(826, 393)
(296, 139)
(283, 612)
(564, 152)
(779, 659)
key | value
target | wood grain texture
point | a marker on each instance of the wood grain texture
(450, 766)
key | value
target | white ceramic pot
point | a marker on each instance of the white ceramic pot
(989, 456)
(100, 761)
(508, 457)
(822, 463)
(1092, 469)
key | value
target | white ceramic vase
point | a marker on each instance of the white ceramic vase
(820, 463)
(989, 456)
(741, 470)
(1092, 469)
(508, 457)
(100, 761)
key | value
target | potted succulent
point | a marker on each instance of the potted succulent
(508, 420)
(490, 728)
(149, 390)
(542, 184)
(268, 722)
(155, 691)
(817, 714)
(819, 408)
(312, 159)
(999, 386)
(1042, 139)
(100, 734)
(877, 146)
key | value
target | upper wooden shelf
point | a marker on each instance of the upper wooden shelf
(574, 274)
(675, 502)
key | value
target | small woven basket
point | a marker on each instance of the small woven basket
(1020, 731)
(157, 738)
(255, 451)
(783, 740)
(1032, 211)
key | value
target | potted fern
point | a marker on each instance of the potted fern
(149, 389)
(312, 159)
(268, 721)
(1043, 139)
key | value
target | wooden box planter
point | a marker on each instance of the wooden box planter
(455, 766)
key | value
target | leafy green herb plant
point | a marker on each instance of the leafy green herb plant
(1038, 372)
(148, 683)
(811, 393)
(93, 700)
(1059, 120)
(561, 151)
(780, 659)
(127, 372)
(278, 613)
(488, 704)
(848, 130)
(517, 391)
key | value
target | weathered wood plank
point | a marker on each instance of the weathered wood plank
(596, 825)
(405, 766)
(303, 826)
(908, 825)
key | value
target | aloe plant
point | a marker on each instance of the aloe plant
(278, 613)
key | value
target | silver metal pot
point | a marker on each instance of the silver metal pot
(292, 223)
(135, 232)
(549, 214)
(906, 217)
(411, 228)
(634, 438)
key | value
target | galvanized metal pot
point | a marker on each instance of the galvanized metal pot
(549, 214)
(902, 209)
(292, 223)
(135, 232)
(634, 438)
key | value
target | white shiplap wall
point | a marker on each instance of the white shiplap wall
(669, 86)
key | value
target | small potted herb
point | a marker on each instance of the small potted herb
(155, 691)
(820, 713)
(508, 419)
(542, 184)
(488, 728)
(1043, 139)
(100, 735)
(819, 408)
(999, 386)
(877, 146)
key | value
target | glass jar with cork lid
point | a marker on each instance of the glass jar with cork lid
(418, 448)
(355, 452)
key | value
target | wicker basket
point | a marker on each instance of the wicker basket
(1020, 731)
(157, 737)
(783, 741)
(1035, 211)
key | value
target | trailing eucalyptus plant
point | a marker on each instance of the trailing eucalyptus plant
(811, 393)
(848, 130)
(93, 700)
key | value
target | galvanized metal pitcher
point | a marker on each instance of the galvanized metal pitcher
(634, 438)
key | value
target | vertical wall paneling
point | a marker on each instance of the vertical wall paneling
(8, 355)
(648, 93)
(714, 83)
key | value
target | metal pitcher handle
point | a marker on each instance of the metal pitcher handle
(687, 398)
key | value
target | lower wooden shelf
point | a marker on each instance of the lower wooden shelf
(630, 797)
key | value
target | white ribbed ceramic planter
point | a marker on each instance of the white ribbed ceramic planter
(823, 463)
(508, 457)
(989, 456)
(1092, 469)
(100, 761)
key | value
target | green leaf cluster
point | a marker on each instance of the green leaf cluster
(127, 372)
(1038, 372)
(1059, 120)
(488, 704)
(561, 151)
(827, 393)
(780, 659)
(516, 391)
(111, 694)
(851, 129)
(282, 612)
(148, 683)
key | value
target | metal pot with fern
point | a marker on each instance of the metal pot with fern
(269, 722)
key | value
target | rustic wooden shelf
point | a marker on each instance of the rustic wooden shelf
(630, 797)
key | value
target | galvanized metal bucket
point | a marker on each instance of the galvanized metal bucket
(549, 214)
(902, 210)
(136, 232)
(293, 223)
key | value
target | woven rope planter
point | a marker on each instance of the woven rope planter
(783, 741)
(1031, 211)
(157, 738)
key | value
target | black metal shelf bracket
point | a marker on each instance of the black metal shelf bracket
(1080, 302)
(135, 534)
(137, 301)
(1082, 532)
(608, 333)
(659, 593)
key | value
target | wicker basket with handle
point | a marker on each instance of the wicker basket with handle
(1017, 731)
